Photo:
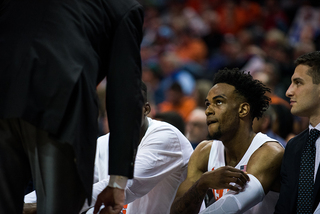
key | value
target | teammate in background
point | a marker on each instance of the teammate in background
(161, 165)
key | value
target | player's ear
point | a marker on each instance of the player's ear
(147, 109)
(244, 109)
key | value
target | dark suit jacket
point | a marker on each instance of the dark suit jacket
(53, 54)
(290, 170)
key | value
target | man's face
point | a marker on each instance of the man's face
(304, 95)
(222, 111)
(196, 127)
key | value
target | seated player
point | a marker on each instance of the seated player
(232, 103)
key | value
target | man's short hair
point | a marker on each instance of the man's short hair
(313, 61)
(253, 91)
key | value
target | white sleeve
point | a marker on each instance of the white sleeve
(158, 156)
(30, 198)
(238, 203)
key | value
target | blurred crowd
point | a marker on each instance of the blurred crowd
(187, 41)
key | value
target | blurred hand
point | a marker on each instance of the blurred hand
(30, 208)
(222, 177)
(112, 199)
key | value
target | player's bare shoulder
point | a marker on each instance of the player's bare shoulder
(265, 165)
(271, 147)
(200, 156)
(204, 145)
(269, 155)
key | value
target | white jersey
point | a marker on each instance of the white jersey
(217, 159)
(160, 166)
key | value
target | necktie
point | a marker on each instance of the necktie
(306, 177)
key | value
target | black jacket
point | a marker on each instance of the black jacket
(290, 170)
(53, 53)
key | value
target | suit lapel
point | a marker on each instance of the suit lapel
(300, 143)
(297, 145)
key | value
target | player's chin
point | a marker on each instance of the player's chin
(216, 135)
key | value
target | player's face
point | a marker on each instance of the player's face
(304, 95)
(222, 111)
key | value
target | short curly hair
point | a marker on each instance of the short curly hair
(253, 91)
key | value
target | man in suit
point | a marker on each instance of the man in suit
(53, 54)
(304, 94)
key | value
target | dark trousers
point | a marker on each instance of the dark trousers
(26, 150)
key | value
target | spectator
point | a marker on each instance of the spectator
(266, 124)
(201, 90)
(196, 127)
(178, 102)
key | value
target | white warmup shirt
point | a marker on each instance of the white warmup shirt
(161, 165)
(217, 159)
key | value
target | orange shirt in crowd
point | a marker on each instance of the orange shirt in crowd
(186, 106)
(195, 50)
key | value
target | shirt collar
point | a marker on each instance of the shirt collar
(311, 127)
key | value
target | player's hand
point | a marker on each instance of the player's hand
(112, 199)
(223, 178)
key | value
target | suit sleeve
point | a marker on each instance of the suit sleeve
(283, 206)
(124, 99)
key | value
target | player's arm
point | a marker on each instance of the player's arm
(263, 169)
(188, 198)
(265, 165)
(191, 192)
